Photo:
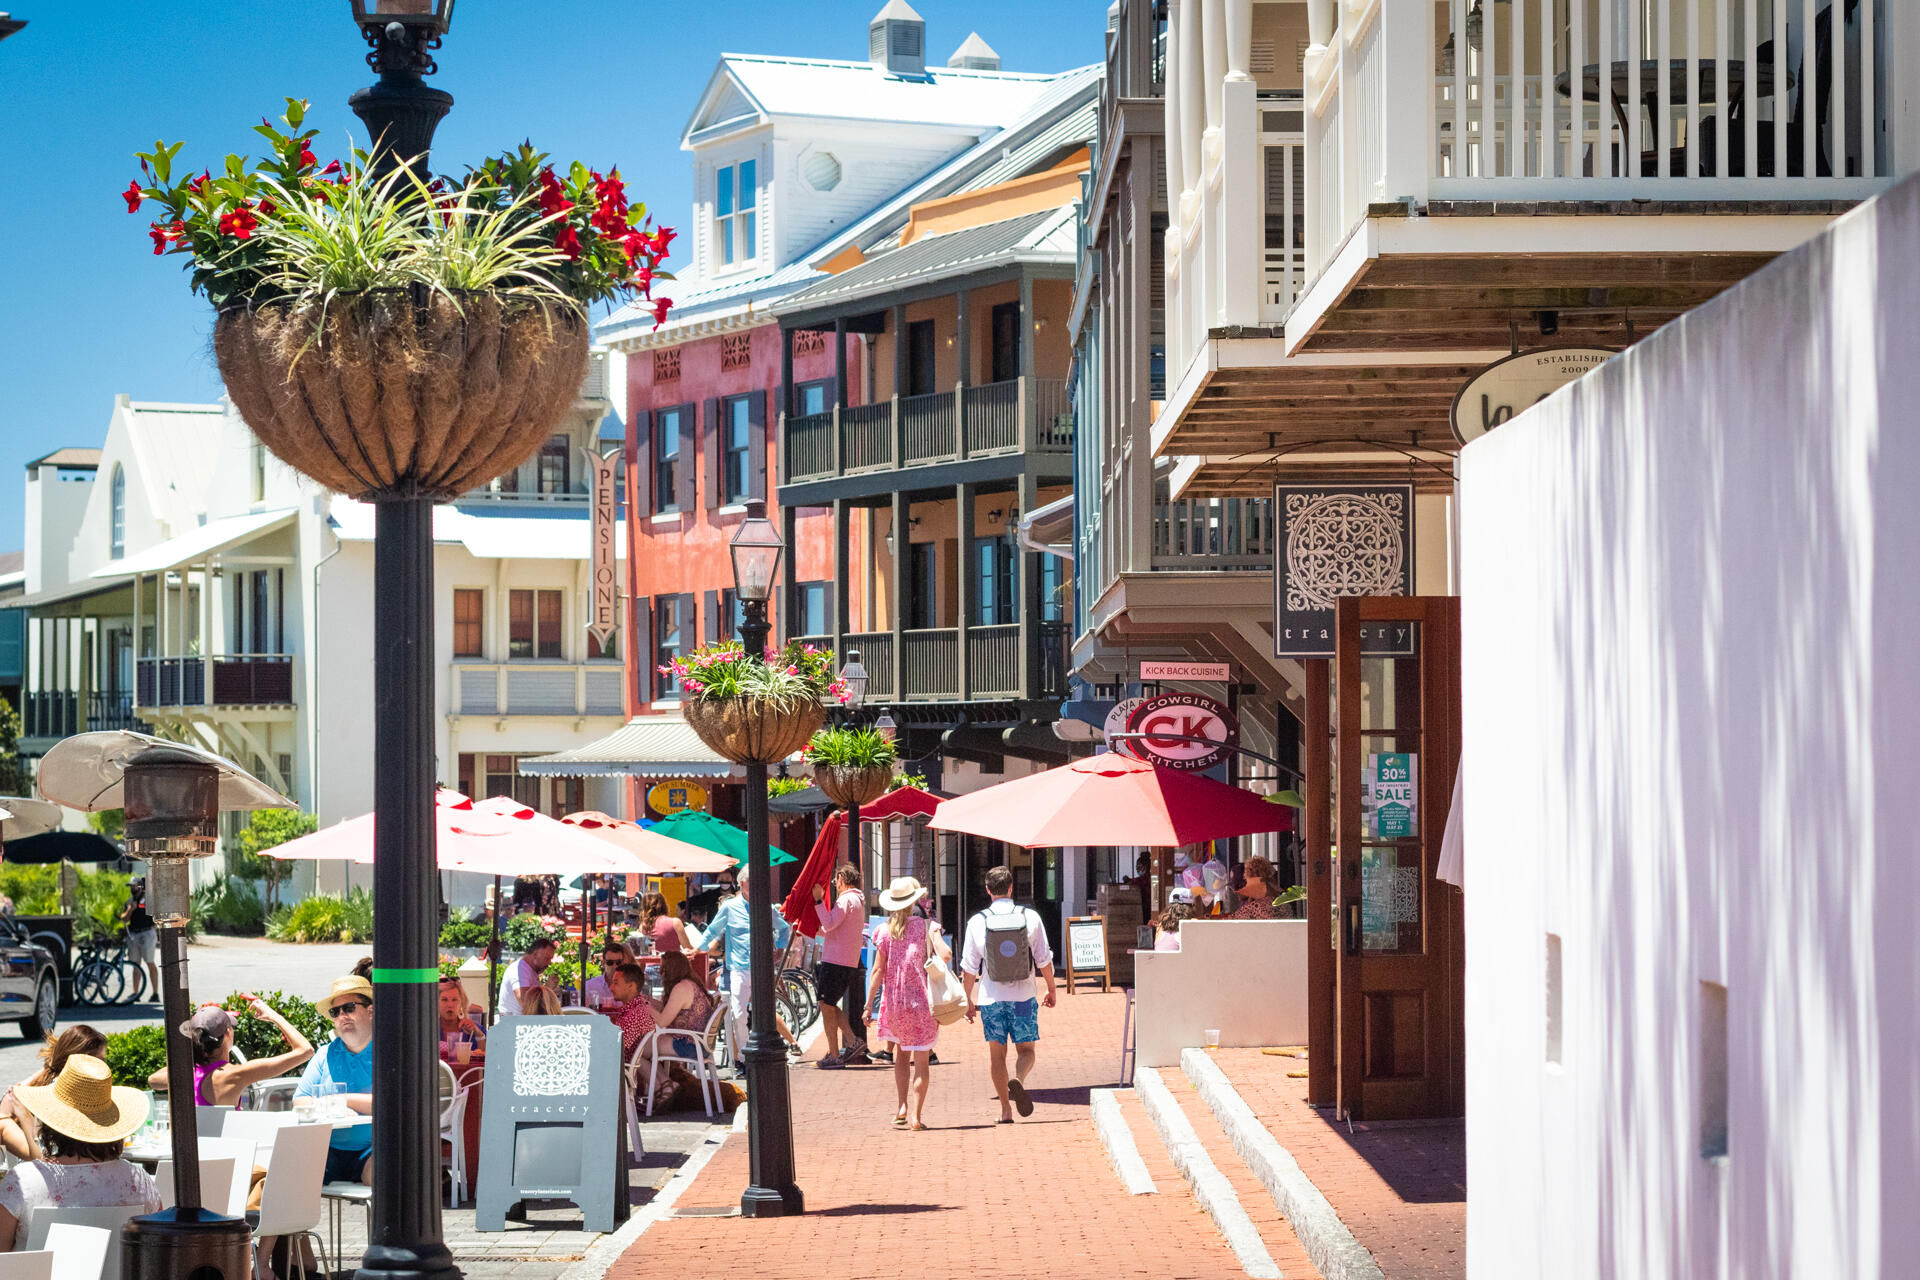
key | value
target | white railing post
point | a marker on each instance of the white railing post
(1242, 238)
(1407, 133)
(1187, 82)
(1213, 61)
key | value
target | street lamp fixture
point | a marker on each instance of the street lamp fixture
(771, 1191)
(886, 727)
(400, 111)
(854, 674)
(755, 548)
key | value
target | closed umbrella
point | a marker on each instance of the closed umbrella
(709, 832)
(1111, 800)
(798, 908)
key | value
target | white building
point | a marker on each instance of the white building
(210, 594)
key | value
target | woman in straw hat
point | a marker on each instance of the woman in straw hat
(85, 1121)
(17, 1126)
(905, 1014)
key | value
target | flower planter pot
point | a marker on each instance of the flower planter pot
(853, 784)
(405, 392)
(752, 731)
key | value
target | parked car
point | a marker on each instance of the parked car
(29, 982)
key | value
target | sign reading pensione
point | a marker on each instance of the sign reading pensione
(1333, 541)
(604, 618)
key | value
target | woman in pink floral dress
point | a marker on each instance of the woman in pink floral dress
(905, 1014)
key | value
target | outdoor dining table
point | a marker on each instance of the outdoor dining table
(152, 1151)
(1730, 89)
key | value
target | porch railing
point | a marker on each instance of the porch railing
(925, 667)
(926, 428)
(1213, 533)
(993, 661)
(1029, 414)
(866, 436)
(930, 665)
(538, 689)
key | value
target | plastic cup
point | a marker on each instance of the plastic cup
(463, 1053)
(1213, 1037)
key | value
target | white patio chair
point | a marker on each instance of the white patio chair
(109, 1219)
(28, 1266)
(338, 1196)
(260, 1128)
(290, 1200)
(79, 1252)
(245, 1154)
(216, 1182)
(657, 1048)
(211, 1121)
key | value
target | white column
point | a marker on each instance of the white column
(1213, 59)
(1320, 23)
(1239, 41)
(1187, 83)
(1176, 231)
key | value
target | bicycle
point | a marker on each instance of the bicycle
(798, 997)
(100, 974)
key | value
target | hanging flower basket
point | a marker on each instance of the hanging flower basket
(404, 391)
(853, 784)
(751, 730)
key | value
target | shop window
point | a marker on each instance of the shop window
(996, 581)
(814, 599)
(734, 208)
(813, 397)
(673, 636)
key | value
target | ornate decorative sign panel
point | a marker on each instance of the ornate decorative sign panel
(1334, 541)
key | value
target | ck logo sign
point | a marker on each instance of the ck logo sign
(1183, 731)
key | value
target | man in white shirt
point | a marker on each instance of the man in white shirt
(525, 973)
(1005, 945)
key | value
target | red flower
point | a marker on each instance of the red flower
(636, 243)
(238, 223)
(661, 239)
(643, 278)
(165, 233)
(199, 183)
(333, 167)
(267, 206)
(567, 241)
(660, 308)
(553, 196)
(132, 196)
(307, 158)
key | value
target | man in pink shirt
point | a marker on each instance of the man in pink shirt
(840, 976)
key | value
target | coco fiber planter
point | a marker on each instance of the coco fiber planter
(752, 730)
(403, 392)
(853, 784)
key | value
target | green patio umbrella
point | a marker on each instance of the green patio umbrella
(709, 832)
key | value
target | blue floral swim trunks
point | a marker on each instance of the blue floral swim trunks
(1017, 1023)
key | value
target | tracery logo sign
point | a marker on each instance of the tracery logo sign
(1180, 717)
(1334, 541)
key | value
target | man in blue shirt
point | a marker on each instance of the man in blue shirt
(344, 1071)
(730, 933)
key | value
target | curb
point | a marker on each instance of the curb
(1210, 1187)
(1326, 1239)
(607, 1250)
(1117, 1138)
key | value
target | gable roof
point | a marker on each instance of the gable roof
(1046, 235)
(70, 456)
(175, 447)
(1062, 113)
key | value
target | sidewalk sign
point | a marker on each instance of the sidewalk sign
(552, 1126)
(1087, 950)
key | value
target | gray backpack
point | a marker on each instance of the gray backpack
(1009, 954)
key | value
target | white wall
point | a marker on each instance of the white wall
(1245, 978)
(1691, 696)
(56, 503)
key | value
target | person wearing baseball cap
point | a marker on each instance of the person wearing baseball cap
(344, 1070)
(85, 1120)
(218, 1081)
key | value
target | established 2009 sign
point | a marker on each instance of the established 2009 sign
(552, 1127)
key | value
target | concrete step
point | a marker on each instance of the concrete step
(1116, 1135)
(1254, 1228)
(1311, 1219)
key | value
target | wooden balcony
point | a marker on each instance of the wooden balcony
(924, 664)
(994, 420)
(238, 680)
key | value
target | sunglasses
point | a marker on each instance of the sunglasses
(348, 1007)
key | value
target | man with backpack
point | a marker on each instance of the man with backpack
(1005, 945)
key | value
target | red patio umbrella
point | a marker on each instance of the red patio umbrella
(1111, 800)
(901, 802)
(817, 870)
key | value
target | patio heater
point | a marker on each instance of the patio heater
(172, 796)
(771, 1192)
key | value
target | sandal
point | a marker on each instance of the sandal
(1021, 1102)
(900, 1121)
(918, 1128)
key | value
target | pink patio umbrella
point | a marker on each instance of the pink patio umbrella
(456, 824)
(661, 855)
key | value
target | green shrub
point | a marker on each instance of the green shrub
(465, 933)
(325, 917)
(35, 891)
(247, 855)
(777, 787)
(136, 1053)
(527, 928)
(226, 907)
(855, 747)
(258, 1038)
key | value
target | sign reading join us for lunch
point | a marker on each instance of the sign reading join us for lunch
(605, 618)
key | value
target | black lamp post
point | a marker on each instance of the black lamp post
(855, 676)
(771, 1192)
(400, 113)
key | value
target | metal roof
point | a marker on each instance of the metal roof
(70, 456)
(1027, 237)
(71, 591)
(644, 747)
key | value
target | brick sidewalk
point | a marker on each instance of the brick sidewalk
(1401, 1188)
(968, 1197)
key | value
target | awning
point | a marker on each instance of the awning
(644, 747)
(191, 548)
(72, 591)
(1048, 528)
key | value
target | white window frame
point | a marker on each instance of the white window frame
(737, 229)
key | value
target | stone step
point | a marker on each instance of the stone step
(1116, 1135)
(1312, 1220)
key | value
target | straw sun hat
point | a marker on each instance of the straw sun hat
(902, 893)
(84, 1104)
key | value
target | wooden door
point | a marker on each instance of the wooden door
(1398, 965)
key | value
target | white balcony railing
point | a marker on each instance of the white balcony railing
(1511, 100)
(537, 689)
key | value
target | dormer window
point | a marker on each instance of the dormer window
(734, 207)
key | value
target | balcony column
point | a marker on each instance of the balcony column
(1023, 396)
(842, 571)
(1176, 228)
(839, 393)
(1319, 24)
(206, 630)
(1213, 60)
(898, 319)
(1026, 498)
(786, 382)
(1239, 41)
(964, 582)
(789, 611)
(962, 349)
(1189, 84)
(902, 556)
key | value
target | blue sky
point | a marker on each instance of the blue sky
(89, 312)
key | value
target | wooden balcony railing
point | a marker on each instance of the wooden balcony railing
(926, 665)
(1019, 415)
(1213, 533)
(239, 679)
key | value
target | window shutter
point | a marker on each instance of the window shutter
(642, 651)
(716, 455)
(640, 465)
(713, 616)
(759, 410)
(689, 459)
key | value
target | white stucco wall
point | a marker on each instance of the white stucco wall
(1691, 696)
(1247, 979)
